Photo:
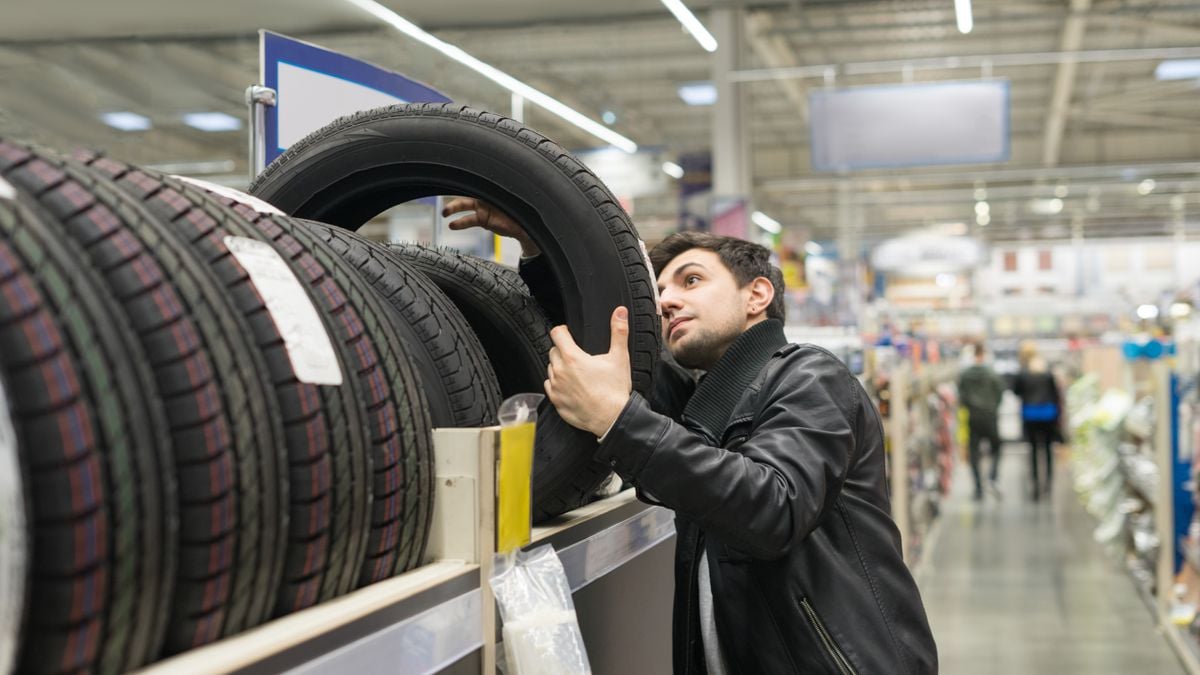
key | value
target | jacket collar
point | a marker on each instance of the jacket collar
(721, 389)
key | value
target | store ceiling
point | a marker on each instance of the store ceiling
(1088, 134)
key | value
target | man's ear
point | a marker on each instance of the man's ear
(762, 293)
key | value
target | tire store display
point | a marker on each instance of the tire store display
(360, 166)
(213, 414)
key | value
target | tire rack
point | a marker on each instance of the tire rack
(908, 392)
(1158, 380)
(441, 617)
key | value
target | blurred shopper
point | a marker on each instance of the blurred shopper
(1041, 410)
(979, 391)
(787, 559)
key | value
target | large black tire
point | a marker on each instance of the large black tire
(457, 375)
(516, 336)
(94, 445)
(328, 455)
(215, 385)
(359, 166)
(401, 432)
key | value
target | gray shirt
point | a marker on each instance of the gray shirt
(708, 622)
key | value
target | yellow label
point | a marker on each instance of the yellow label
(513, 487)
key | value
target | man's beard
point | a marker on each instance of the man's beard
(703, 347)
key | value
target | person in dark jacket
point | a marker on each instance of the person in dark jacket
(1041, 411)
(787, 558)
(980, 390)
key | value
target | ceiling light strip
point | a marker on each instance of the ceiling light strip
(499, 77)
(692, 24)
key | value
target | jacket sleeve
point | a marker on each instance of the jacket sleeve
(543, 287)
(767, 494)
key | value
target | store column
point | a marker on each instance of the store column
(730, 159)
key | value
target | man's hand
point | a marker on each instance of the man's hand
(590, 391)
(489, 218)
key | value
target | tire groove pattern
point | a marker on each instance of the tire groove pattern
(323, 425)
(213, 382)
(400, 427)
(95, 448)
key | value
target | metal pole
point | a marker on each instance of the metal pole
(257, 98)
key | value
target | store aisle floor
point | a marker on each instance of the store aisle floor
(1020, 587)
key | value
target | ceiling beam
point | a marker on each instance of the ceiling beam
(1132, 119)
(1064, 82)
(775, 52)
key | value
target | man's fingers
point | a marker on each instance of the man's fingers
(465, 222)
(458, 205)
(619, 325)
(561, 336)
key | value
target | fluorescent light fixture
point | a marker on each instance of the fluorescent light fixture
(1147, 312)
(1180, 310)
(212, 121)
(609, 117)
(813, 248)
(698, 93)
(1061, 190)
(945, 280)
(962, 12)
(1146, 187)
(766, 222)
(1178, 69)
(980, 194)
(692, 24)
(982, 209)
(983, 219)
(1046, 207)
(126, 121)
(496, 75)
(672, 169)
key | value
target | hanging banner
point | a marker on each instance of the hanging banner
(910, 125)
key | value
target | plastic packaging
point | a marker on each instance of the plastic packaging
(541, 632)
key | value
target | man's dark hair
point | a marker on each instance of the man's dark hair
(747, 261)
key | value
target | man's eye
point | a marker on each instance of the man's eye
(690, 279)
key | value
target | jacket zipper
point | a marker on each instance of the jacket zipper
(831, 647)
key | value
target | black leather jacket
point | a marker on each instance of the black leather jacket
(776, 467)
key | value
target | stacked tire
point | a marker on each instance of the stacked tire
(362, 165)
(213, 414)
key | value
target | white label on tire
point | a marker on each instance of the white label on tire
(7, 191)
(230, 193)
(307, 342)
(12, 541)
(653, 277)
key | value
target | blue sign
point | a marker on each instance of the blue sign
(314, 86)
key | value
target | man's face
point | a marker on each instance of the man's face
(704, 310)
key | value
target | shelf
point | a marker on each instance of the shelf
(437, 604)
(1186, 648)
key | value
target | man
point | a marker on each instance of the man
(787, 559)
(979, 391)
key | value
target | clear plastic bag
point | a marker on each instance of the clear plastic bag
(541, 632)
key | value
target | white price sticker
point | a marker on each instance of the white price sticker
(307, 342)
(230, 193)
